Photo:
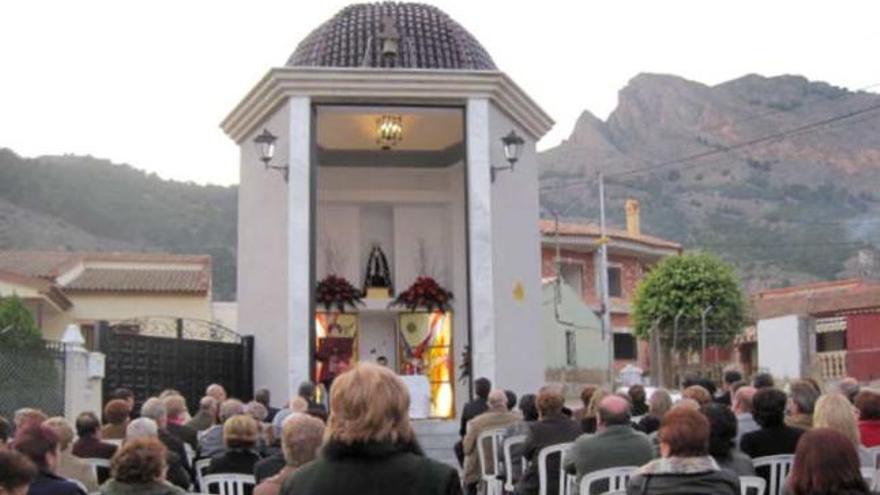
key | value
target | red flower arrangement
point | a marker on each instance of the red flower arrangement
(334, 291)
(426, 293)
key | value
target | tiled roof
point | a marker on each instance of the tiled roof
(42, 286)
(427, 39)
(567, 229)
(140, 280)
(164, 273)
(823, 298)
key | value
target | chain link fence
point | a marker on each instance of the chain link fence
(32, 377)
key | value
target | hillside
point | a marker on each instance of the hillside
(793, 209)
(786, 210)
(84, 203)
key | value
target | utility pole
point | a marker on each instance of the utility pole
(703, 339)
(607, 331)
(675, 336)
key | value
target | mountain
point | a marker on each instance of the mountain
(84, 203)
(801, 207)
(801, 203)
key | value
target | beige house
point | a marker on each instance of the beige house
(61, 288)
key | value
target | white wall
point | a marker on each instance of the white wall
(779, 346)
(517, 262)
(262, 259)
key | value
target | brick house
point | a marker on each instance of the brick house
(631, 254)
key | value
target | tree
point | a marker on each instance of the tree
(689, 284)
(18, 330)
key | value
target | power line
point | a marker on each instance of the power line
(721, 150)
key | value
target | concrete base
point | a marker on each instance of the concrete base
(437, 438)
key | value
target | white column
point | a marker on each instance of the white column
(480, 240)
(299, 248)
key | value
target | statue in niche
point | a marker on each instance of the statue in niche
(377, 280)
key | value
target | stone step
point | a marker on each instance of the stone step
(437, 438)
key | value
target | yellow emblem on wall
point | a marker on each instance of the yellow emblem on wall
(519, 292)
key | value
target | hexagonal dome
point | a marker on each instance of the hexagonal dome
(426, 38)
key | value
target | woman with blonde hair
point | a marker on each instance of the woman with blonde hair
(300, 440)
(70, 466)
(369, 443)
(240, 434)
(835, 411)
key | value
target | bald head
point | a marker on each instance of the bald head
(742, 400)
(613, 410)
(217, 392)
(497, 400)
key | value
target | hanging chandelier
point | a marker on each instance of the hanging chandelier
(389, 131)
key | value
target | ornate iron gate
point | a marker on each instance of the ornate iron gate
(149, 355)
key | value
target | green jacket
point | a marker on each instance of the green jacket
(373, 469)
(615, 446)
(113, 487)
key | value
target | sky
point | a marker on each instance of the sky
(148, 82)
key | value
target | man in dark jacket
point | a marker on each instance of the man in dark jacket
(89, 445)
(774, 437)
(482, 387)
(730, 378)
(552, 428)
(263, 397)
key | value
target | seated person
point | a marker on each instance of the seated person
(140, 467)
(116, 416)
(89, 444)
(40, 444)
(70, 466)
(16, 472)
(300, 440)
(211, 440)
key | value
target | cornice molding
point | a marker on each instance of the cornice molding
(399, 86)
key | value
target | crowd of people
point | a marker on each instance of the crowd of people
(702, 441)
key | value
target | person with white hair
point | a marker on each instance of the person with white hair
(216, 391)
(206, 416)
(211, 440)
(497, 416)
(154, 408)
(143, 427)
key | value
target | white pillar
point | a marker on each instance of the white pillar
(299, 240)
(480, 240)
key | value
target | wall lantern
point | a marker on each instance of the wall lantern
(389, 131)
(513, 145)
(265, 143)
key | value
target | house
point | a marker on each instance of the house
(83, 288)
(827, 330)
(631, 255)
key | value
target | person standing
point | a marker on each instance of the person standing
(482, 387)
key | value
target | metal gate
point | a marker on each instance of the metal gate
(149, 355)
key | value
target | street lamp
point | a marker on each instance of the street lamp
(513, 145)
(265, 144)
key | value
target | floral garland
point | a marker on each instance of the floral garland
(336, 292)
(425, 293)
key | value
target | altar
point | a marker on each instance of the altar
(388, 209)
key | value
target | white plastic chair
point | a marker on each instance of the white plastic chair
(875, 454)
(779, 466)
(494, 486)
(558, 449)
(616, 478)
(190, 454)
(752, 485)
(115, 441)
(98, 462)
(228, 483)
(201, 468)
(506, 446)
(870, 475)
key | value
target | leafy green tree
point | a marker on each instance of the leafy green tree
(689, 283)
(18, 330)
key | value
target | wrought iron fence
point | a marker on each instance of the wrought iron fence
(32, 377)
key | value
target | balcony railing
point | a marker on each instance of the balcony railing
(832, 365)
